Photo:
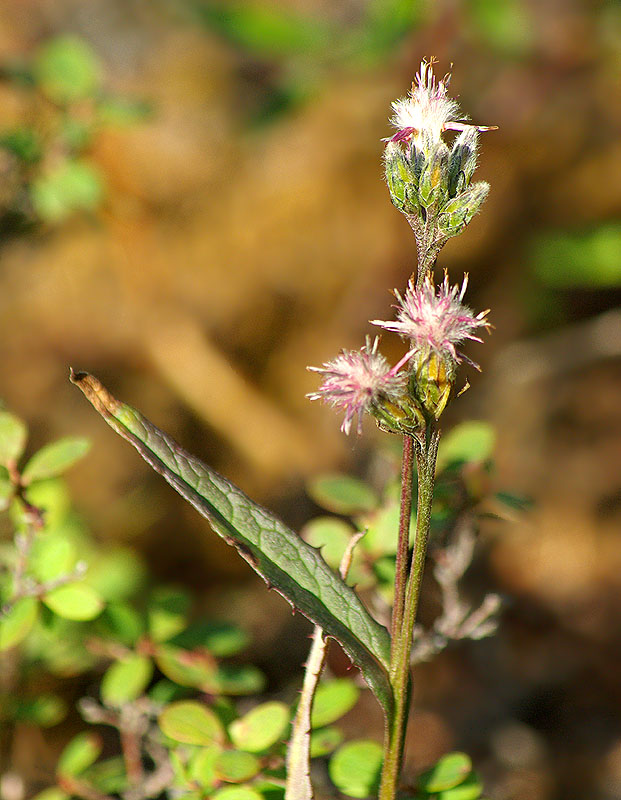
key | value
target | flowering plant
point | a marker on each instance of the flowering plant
(430, 183)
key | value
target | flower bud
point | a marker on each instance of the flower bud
(401, 179)
(433, 185)
(463, 160)
(459, 211)
(432, 379)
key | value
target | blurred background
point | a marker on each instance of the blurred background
(192, 208)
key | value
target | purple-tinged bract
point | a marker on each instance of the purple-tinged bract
(356, 381)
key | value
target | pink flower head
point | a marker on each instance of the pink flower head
(436, 321)
(427, 109)
(356, 380)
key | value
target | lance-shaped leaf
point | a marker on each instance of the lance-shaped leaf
(279, 555)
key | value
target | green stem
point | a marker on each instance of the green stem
(426, 456)
(403, 543)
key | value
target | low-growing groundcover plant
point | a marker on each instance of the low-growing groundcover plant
(62, 613)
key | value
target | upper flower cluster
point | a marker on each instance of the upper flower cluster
(428, 110)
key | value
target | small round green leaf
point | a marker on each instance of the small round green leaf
(470, 789)
(52, 556)
(67, 69)
(73, 185)
(53, 459)
(448, 772)
(75, 601)
(168, 610)
(222, 639)
(82, 751)
(191, 723)
(355, 768)
(325, 741)
(332, 700)
(117, 573)
(469, 442)
(342, 494)
(202, 766)
(238, 679)
(126, 679)
(45, 710)
(13, 435)
(236, 793)
(17, 623)
(260, 728)
(236, 766)
(53, 793)
(122, 622)
(382, 527)
(194, 668)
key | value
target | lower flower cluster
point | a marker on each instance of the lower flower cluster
(403, 398)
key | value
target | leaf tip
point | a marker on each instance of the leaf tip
(95, 392)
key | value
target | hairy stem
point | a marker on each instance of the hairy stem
(403, 543)
(426, 456)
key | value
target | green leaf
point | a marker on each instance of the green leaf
(237, 679)
(261, 728)
(108, 776)
(53, 793)
(82, 751)
(470, 789)
(281, 557)
(17, 623)
(236, 766)
(167, 613)
(191, 723)
(74, 601)
(236, 793)
(333, 699)
(45, 710)
(469, 442)
(165, 692)
(382, 530)
(448, 772)
(73, 185)
(13, 434)
(267, 30)
(123, 111)
(589, 259)
(342, 494)
(126, 679)
(6, 493)
(202, 766)
(332, 535)
(355, 768)
(269, 791)
(122, 622)
(222, 639)
(67, 70)
(52, 556)
(325, 741)
(117, 573)
(53, 459)
(194, 668)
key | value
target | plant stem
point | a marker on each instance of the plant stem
(403, 543)
(426, 456)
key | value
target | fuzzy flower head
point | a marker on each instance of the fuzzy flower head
(357, 381)
(427, 111)
(436, 320)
